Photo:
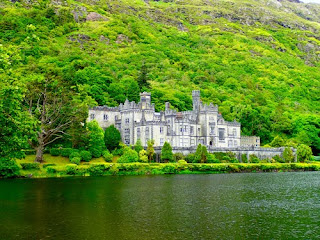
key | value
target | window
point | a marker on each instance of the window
(235, 144)
(161, 129)
(168, 129)
(161, 141)
(138, 133)
(211, 130)
(191, 130)
(192, 142)
(127, 120)
(127, 139)
(105, 117)
(185, 129)
(181, 128)
(221, 134)
(234, 132)
(127, 130)
(198, 130)
(92, 116)
(230, 143)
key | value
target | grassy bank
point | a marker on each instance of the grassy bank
(61, 167)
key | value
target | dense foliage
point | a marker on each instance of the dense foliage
(258, 60)
(166, 152)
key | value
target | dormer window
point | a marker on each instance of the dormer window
(105, 117)
(127, 120)
(92, 116)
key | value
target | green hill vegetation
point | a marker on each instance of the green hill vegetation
(258, 60)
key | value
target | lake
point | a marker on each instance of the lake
(221, 206)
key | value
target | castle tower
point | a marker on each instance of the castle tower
(196, 100)
(145, 100)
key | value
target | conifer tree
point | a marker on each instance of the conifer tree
(138, 147)
(166, 152)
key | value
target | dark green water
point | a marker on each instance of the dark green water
(225, 206)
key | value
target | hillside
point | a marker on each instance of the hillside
(258, 60)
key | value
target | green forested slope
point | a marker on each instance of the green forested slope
(258, 60)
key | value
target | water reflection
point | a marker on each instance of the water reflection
(226, 206)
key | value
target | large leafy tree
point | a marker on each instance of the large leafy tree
(51, 104)
(96, 139)
(112, 137)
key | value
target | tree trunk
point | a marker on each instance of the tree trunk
(40, 148)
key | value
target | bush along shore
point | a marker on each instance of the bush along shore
(62, 167)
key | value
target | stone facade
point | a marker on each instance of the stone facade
(249, 141)
(202, 125)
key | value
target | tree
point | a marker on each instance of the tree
(150, 150)
(288, 155)
(201, 154)
(51, 105)
(304, 153)
(278, 142)
(143, 156)
(14, 122)
(166, 152)
(96, 139)
(197, 155)
(112, 138)
(204, 154)
(138, 147)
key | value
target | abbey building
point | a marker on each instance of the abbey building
(202, 125)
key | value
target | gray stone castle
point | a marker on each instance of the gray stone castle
(202, 125)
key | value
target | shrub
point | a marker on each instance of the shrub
(143, 156)
(29, 166)
(279, 159)
(71, 169)
(288, 155)
(182, 162)
(98, 169)
(226, 158)
(65, 152)
(74, 154)
(304, 153)
(75, 160)
(212, 159)
(170, 168)
(107, 156)
(117, 152)
(177, 156)
(253, 158)
(234, 160)
(190, 157)
(8, 168)
(51, 169)
(86, 156)
(244, 158)
(55, 151)
(138, 147)
(48, 165)
(129, 156)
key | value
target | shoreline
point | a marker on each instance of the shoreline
(135, 169)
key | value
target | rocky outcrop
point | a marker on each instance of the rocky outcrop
(93, 16)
